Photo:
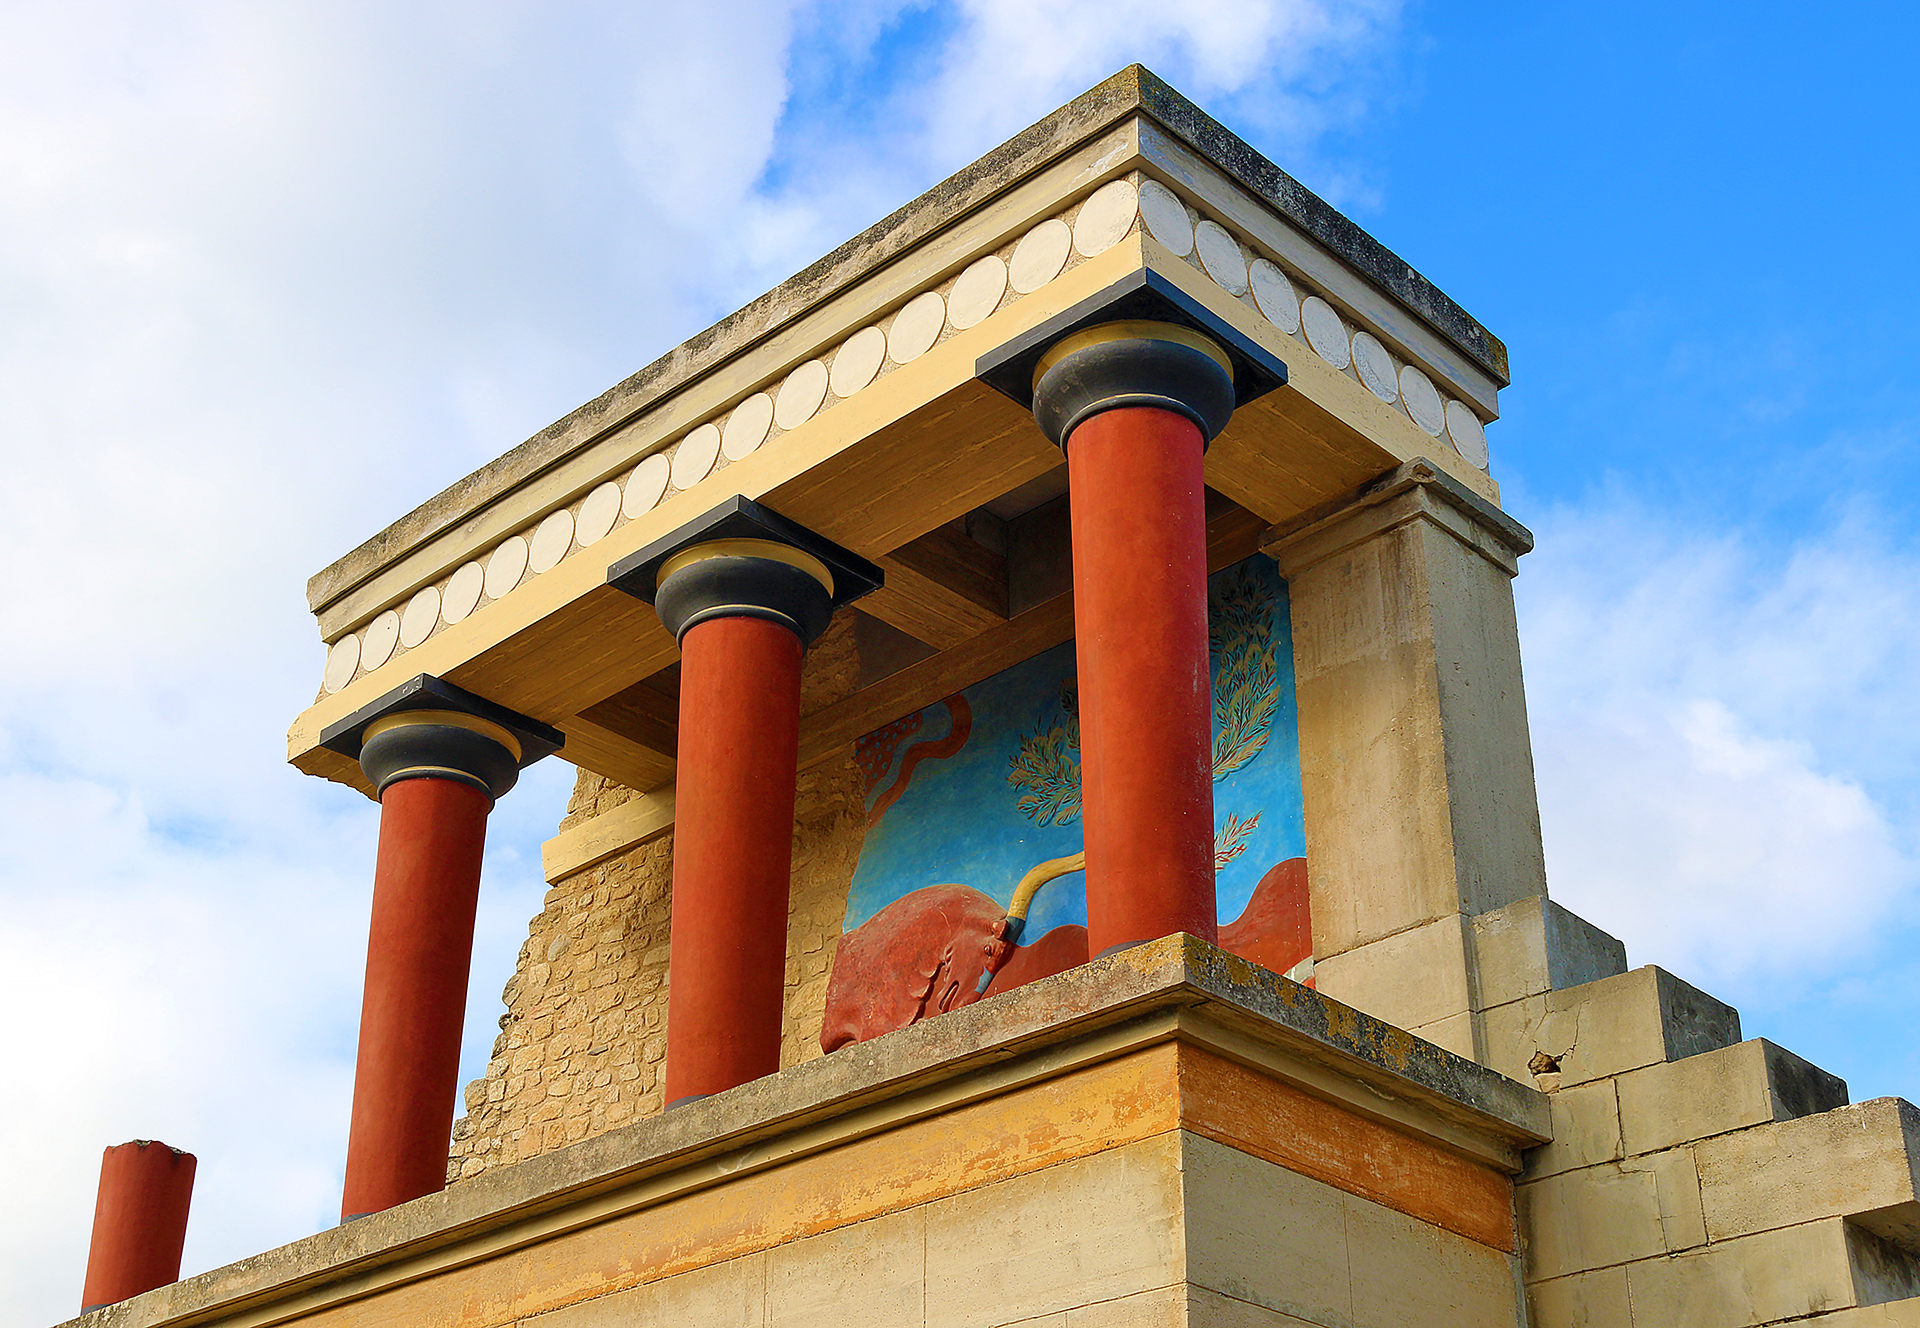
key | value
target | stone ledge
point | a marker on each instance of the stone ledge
(1178, 988)
(1133, 91)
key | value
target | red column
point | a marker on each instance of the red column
(732, 852)
(1138, 503)
(139, 1221)
(426, 888)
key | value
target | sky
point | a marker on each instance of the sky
(271, 275)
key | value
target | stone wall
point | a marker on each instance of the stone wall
(584, 1037)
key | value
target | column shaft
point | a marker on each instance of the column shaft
(732, 852)
(1140, 622)
(139, 1221)
(425, 891)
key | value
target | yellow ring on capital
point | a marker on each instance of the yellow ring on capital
(486, 728)
(1131, 329)
(772, 550)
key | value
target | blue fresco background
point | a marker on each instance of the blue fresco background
(959, 822)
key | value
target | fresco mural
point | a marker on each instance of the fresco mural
(970, 882)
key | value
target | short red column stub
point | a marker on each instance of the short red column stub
(426, 890)
(1138, 510)
(139, 1221)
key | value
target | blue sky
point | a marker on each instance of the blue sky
(272, 275)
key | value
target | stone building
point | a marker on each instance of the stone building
(925, 944)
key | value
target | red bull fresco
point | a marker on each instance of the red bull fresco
(970, 884)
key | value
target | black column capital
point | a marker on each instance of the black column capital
(743, 560)
(427, 728)
(1141, 342)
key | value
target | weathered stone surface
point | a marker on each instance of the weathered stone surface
(1751, 1083)
(1534, 946)
(1789, 1273)
(1591, 1218)
(739, 1137)
(1584, 1300)
(1586, 1131)
(1852, 1160)
(1410, 979)
(1608, 1027)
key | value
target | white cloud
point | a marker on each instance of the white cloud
(1724, 748)
(270, 276)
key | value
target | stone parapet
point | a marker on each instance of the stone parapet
(1104, 1136)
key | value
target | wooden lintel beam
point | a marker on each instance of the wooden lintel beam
(1231, 537)
(942, 588)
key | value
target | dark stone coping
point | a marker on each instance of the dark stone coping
(1177, 972)
(1133, 89)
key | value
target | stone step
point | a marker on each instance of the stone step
(1791, 1274)
(1855, 1162)
(1621, 1023)
(1750, 1083)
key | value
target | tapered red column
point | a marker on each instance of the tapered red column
(438, 758)
(426, 888)
(139, 1221)
(732, 852)
(1134, 402)
(1140, 628)
(745, 592)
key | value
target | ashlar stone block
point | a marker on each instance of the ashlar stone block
(1592, 1218)
(1094, 1229)
(1644, 1017)
(1585, 1300)
(1794, 1272)
(1411, 979)
(1856, 1161)
(1750, 1083)
(1586, 1131)
(1534, 946)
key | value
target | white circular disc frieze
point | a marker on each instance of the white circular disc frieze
(376, 647)
(801, 395)
(977, 293)
(422, 612)
(1325, 332)
(1040, 255)
(747, 427)
(506, 567)
(858, 361)
(597, 514)
(1468, 434)
(1275, 295)
(1375, 366)
(343, 661)
(462, 594)
(916, 327)
(551, 542)
(1422, 401)
(1106, 217)
(645, 485)
(695, 456)
(1220, 255)
(1166, 216)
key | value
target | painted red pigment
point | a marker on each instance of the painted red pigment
(923, 954)
(1275, 930)
(1146, 707)
(732, 852)
(426, 887)
(139, 1221)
